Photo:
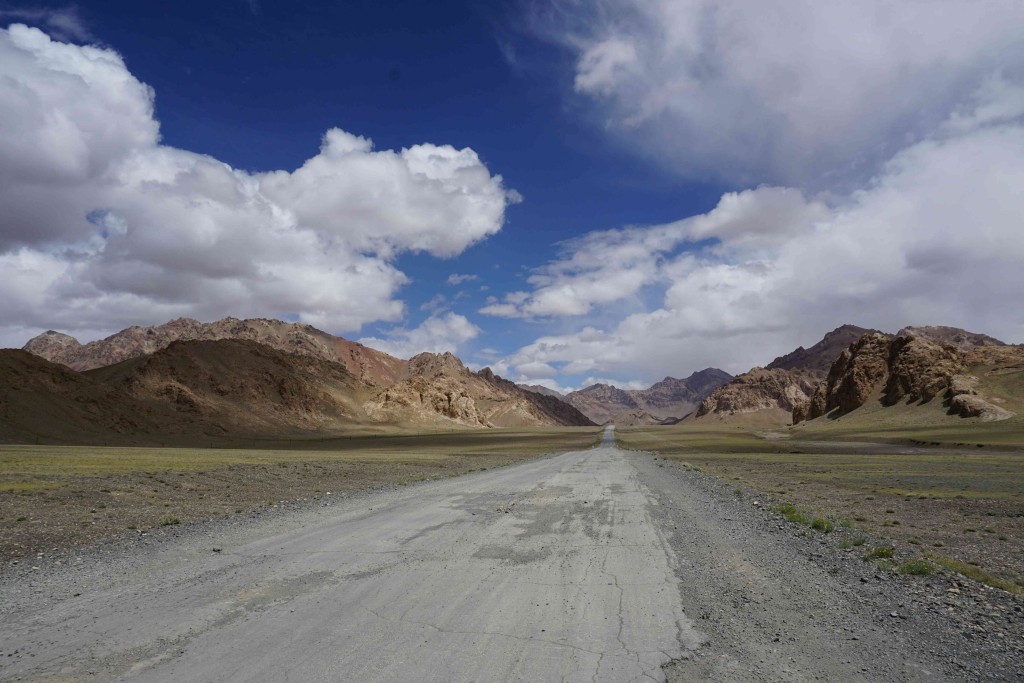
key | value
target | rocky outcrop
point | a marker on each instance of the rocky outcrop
(966, 405)
(920, 369)
(818, 359)
(368, 365)
(913, 367)
(437, 389)
(855, 375)
(951, 336)
(785, 384)
(756, 390)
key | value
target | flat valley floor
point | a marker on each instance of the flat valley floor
(595, 565)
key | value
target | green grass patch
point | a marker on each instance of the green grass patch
(880, 553)
(854, 542)
(823, 525)
(792, 513)
(28, 486)
(169, 520)
(974, 572)
(917, 567)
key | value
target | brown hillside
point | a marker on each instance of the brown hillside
(368, 365)
(438, 390)
(916, 369)
(237, 387)
(43, 402)
(600, 402)
(786, 382)
(819, 358)
(668, 399)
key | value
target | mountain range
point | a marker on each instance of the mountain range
(668, 400)
(187, 381)
(973, 375)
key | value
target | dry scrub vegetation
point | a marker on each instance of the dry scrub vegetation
(61, 496)
(932, 490)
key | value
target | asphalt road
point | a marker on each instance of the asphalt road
(550, 570)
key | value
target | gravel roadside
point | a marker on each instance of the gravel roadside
(781, 602)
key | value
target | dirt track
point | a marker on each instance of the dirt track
(588, 566)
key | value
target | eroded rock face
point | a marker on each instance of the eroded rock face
(857, 373)
(819, 358)
(951, 336)
(911, 368)
(788, 382)
(52, 345)
(969, 405)
(439, 389)
(600, 402)
(919, 370)
(756, 390)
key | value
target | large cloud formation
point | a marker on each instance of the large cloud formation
(780, 91)
(900, 129)
(103, 226)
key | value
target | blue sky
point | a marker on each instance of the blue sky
(682, 184)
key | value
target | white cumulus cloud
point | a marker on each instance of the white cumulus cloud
(436, 334)
(103, 226)
(935, 238)
(781, 91)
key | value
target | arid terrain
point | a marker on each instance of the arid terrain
(223, 482)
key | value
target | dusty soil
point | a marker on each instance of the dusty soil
(944, 502)
(83, 509)
(772, 600)
(775, 598)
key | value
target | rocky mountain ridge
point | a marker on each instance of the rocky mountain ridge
(669, 398)
(369, 365)
(917, 365)
(258, 377)
(784, 383)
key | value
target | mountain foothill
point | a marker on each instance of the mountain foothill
(188, 382)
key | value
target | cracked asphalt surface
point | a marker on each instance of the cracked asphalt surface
(551, 570)
(586, 566)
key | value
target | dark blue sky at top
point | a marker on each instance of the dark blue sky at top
(256, 84)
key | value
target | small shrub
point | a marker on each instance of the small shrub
(917, 568)
(823, 525)
(168, 520)
(792, 513)
(22, 518)
(848, 543)
(880, 553)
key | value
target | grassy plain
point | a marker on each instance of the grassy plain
(928, 487)
(61, 496)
